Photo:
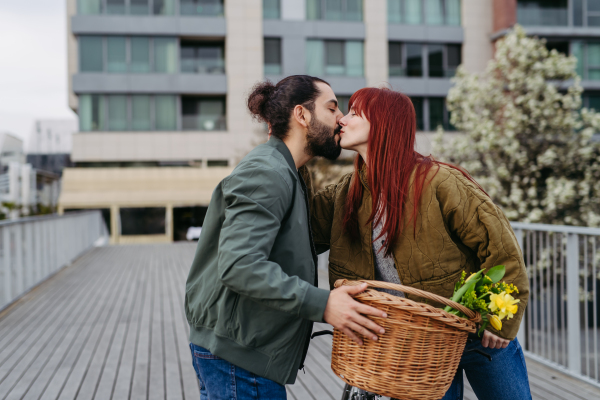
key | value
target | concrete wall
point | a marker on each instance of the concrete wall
(477, 20)
(376, 42)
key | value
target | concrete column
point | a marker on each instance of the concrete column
(376, 42)
(244, 66)
(115, 225)
(477, 21)
(72, 54)
(169, 226)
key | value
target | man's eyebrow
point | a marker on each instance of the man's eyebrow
(334, 101)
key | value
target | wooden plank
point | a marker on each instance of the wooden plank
(156, 387)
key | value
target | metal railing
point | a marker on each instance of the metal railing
(32, 249)
(561, 323)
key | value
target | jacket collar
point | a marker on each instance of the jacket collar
(285, 152)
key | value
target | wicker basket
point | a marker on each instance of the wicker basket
(417, 356)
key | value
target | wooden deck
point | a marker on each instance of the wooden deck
(112, 326)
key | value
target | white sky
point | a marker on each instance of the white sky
(33, 64)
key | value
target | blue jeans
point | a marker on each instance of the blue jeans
(221, 380)
(503, 378)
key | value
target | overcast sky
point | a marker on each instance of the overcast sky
(33, 64)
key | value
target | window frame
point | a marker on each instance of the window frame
(423, 16)
(425, 66)
(280, 65)
(322, 12)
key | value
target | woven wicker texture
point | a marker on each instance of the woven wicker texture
(417, 356)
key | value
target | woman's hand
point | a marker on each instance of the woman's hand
(492, 341)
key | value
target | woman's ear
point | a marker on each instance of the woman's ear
(301, 115)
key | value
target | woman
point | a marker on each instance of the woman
(404, 218)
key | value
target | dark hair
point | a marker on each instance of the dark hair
(274, 104)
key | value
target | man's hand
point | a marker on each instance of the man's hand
(492, 341)
(345, 313)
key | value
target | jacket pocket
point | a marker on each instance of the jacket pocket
(443, 286)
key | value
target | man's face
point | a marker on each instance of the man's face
(323, 137)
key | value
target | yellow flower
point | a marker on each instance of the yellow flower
(495, 322)
(503, 304)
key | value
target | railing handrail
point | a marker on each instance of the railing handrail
(43, 217)
(581, 230)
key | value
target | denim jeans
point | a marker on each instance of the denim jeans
(503, 378)
(221, 380)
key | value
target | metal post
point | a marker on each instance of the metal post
(573, 323)
(521, 332)
(18, 232)
(7, 260)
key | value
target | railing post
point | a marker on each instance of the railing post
(573, 320)
(7, 261)
(521, 332)
(18, 232)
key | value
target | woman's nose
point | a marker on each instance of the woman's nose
(342, 121)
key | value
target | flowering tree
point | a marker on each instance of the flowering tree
(526, 139)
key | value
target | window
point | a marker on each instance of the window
(90, 54)
(334, 57)
(115, 7)
(165, 113)
(165, 55)
(140, 113)
(140, 55)
(211, 8)
(271, 9)
(406, 59)
(431, 112)
(588, 59)
(432, 12)
(343, 103)
(90, 7)
(91, 113)
(203, 113)
(117, 113)
(139, 7)
(543, 12)
(163, 7)
(217, 163)
(203, 58)
(116, 54)
(143, 221)
(418, 105)
(334, 10)
(272, 56)
(591, 100)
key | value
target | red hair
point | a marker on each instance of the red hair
(392, 159)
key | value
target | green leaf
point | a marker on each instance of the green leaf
(496, 273)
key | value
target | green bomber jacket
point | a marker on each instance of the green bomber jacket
(458, 228)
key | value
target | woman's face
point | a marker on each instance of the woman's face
(355, 132)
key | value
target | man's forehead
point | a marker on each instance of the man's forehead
(327, 93)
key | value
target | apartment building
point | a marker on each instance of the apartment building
(160, 87)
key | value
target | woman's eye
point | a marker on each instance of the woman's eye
(332, 110)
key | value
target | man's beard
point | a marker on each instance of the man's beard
(321, 140)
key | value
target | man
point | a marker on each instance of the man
(251, 295)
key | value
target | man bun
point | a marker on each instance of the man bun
(259, 98)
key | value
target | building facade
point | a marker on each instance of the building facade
(49, 145)
(160, 87)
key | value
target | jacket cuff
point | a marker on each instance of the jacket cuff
(313, 306)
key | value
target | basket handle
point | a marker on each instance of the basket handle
(473, 315)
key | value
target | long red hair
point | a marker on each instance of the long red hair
(392, 159)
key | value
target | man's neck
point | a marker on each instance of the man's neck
(296, 144)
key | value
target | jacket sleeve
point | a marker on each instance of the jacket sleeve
(257, 200)
(322, 217)
(483, 227)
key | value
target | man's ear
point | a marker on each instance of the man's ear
(301, 115)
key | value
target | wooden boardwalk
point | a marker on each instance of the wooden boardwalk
(112, 326)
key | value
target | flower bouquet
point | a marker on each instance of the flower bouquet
(484, 293)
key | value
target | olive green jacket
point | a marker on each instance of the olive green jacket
(251, 294)
(458, 229)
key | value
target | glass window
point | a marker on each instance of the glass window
(116, 54)
(334, 57)
(436, 113)
(91, 113)
(165, 55)
(593, 5)
(434, 10)
(578, 12)
(271, 9)
(165, 113)
(354, 58)
(313, 9)
(454, 59)
(139, 7)
(211, 8)
(203, 57)
(115, 7)
(91, 54)
(272, 56)
(315, 57)
(542, 12)
(453, 12)
(593, 61)
(117, 112)
(577, 50)
(143, 221)
(140, 113)
(412, 13)
(89, 7)
(334, 10)
(418, 105)
(163, 7)
(203, 114)
(414, 59)
(396, 61)
(394, 9)
(343, 103)
(436, 60)
(140, 54)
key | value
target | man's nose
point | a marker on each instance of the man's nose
(339, 115)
